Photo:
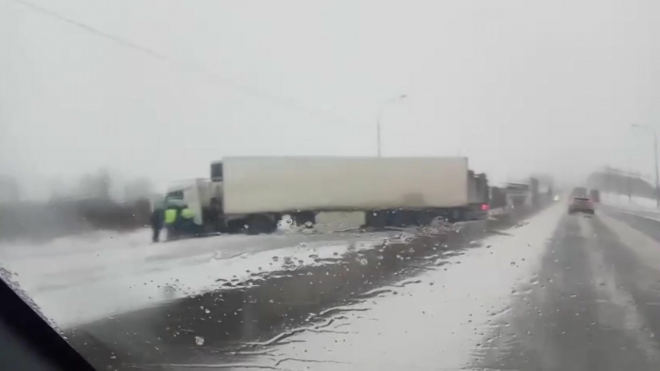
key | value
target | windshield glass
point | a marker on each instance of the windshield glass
(335, 185)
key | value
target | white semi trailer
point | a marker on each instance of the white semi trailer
(253, 193)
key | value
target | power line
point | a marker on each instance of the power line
(240, 87)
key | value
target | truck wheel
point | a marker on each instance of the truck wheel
(260, 224)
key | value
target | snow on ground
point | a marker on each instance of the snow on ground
(636, 202)
(640, 243)
(82, 278)
(637, 205)
(444, 312)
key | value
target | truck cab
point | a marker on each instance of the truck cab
(195, 195)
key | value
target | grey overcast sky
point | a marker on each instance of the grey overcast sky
(516, 86)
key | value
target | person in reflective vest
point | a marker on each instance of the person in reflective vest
(187, 214)
(170, 216)
(187, 222)
(172, 222)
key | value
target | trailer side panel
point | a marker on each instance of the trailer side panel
(280, 184)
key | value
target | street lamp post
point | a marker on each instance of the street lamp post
(380, 114)
(655, 154)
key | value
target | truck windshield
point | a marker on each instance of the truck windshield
(175, 195)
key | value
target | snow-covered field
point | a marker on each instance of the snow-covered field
(444, 313)
(638, 205)
(625, 201)
(78, 279)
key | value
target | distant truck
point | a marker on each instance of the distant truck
(519, 194)
(500, 205)
(594, 195)
(252, 194)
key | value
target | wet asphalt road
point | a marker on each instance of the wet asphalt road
(594, 304)
(591, 301)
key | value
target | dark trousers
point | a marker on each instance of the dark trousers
(156, 235)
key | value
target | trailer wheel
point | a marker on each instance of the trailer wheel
(260, 224)
(235, 226)
(377, 219)
(304, 217)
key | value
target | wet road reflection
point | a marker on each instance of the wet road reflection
(593, 304)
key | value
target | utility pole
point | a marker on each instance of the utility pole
(655, 152)
(378, 133)
(629, 186)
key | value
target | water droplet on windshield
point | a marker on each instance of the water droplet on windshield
(199, 340)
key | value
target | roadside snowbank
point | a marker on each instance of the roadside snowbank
(438, 318)
(642, 206)
(78, 279)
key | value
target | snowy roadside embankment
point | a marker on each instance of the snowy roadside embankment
(438, 318)
(642, 206)
(78, 279)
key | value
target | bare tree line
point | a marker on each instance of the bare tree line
(97, 201)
